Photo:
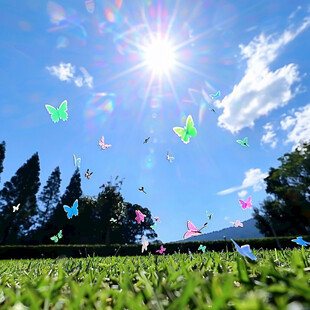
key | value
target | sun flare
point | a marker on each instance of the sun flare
(159, 55)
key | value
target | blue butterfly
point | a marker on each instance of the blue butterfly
(72, 211)
(216, 95)
(301, 241)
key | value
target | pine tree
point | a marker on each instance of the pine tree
(22, 189)
(58, 219)
(2, 156)
(50, 195)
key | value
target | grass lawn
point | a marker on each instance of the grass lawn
(211, 280)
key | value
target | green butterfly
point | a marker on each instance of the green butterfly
(153, 226)
(202, 248)
(60, 113)
(188, 131)
(244, 142)
(57, 237)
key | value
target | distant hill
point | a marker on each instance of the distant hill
(246, 232)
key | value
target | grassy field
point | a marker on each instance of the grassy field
(278, 280)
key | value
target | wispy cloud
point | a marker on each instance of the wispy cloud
(269, 137)
(300, 126)
(253, 178)
(66, 72)
(242, 194)
(260, 90)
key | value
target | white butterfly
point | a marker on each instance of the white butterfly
(16, 208)
(76, 161)
(102, 144)
(145, 243)
(169, 158)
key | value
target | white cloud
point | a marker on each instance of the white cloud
(253, 178)
(242, 194)
(301, 126)
(226, 218)
(292, 15)
(269, 137)
(66, 72)
(260, 90)
(287, 122)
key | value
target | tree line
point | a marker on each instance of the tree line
(41, 215)
(285, 211)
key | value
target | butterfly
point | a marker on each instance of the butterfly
(73, 210)
(162, 250)
(244, 250)
(169, 158)
(157, 219)
(216, 95)
(90, 6)
(300, 241)
(146, 140)
(243, 142)
(76, 161)
(113, 220)
(145, 243)
(246, 204)
(87, 174)
(237, 224)
(213, 110)
(57, 237)
(141, 189)
(16, 208)
(192, 230)
(102, 145)
(209, 216)
(140, 216)
(188, 131)
(202, 248)
(57, 114)
(153, 226)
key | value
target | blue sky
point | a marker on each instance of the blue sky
(92, 55)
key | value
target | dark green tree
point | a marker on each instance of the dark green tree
(58, 219)
(286, 211)
(22, 189)
(50, 196)
(2, 156)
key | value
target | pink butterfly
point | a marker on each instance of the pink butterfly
(246, 204)
(192, 230)
(102, 145)
(162, 249)
(140, 216)
(237, 224)
(157, 219)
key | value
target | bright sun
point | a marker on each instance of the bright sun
(159, 56)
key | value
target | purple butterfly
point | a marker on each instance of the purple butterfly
(140, 216)
(102, 144)
(247, 204)
(192, 230)
(162, 250)
(237, 223)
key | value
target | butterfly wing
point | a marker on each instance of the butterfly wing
(69, 211)
(243, 204)
(248, 202)
(60, 234)
(191, 233)
(245, 140)
(190, 129)
(75, 210)
(62, 111)
(181, 132)
(247, 251)
(240, 141)
(54, 238)
(74, 160)
(191, 226)
(78, 162)
(54, 113)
